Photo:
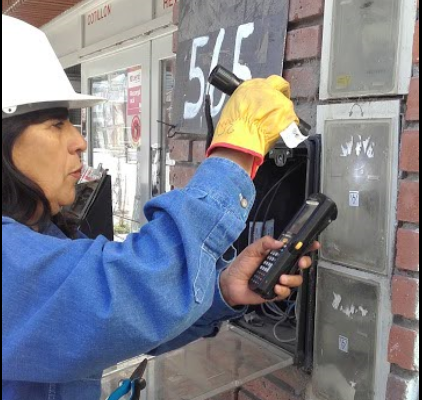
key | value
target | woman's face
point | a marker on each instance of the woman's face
(49, 154)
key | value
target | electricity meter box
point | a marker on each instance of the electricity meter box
(360, 160)
(376, 58)
(352, 326)
(284, 182)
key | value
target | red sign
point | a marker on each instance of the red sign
(99, 14)
(134, 91)
(136, 130)
(169, 3)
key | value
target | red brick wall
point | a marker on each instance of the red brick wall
(288, 384)
(404, 336)
(302, 69)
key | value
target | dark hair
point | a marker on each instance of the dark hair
(21, 197)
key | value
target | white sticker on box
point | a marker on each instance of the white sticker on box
(344, 344)
(354, 199)
(292, 136)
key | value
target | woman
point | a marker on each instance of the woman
(72, 306)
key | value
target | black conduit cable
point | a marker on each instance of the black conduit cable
(265, 220)
(274, 188)
(210, 122)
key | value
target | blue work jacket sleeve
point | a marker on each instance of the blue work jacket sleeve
(74, 308)
(207, 326)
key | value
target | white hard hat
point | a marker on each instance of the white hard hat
(32, 76)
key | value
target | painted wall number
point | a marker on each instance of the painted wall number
(196, 73)
(211, 33)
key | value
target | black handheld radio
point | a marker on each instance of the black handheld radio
(318, 212)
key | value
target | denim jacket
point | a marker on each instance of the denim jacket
(73, 308)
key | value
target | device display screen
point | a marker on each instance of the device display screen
(303, 217)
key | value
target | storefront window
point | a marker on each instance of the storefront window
(116, 141)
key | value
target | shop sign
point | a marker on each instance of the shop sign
(99, 14)
(113, 17)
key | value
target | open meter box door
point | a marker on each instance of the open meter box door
(268, 338)
(291, 176)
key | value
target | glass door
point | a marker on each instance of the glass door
(119, 131)
(150, 156)
(163, 81)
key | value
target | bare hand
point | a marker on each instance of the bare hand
(234, 281)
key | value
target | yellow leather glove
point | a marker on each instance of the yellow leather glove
(254, 117)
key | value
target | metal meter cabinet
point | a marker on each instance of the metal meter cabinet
(360, 160)
(376, 59)
(352, 332)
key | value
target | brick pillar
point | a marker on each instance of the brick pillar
(404, 337)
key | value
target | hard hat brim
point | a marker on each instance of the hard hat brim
(85, 101)
(77, 101)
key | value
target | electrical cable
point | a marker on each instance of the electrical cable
(210, 122)
(275, 309)
(292, 308)
(274, 312)
(287, 318)
(172, 131)
(265, 220)
(274, 315)
(275, 187)
(285, 341)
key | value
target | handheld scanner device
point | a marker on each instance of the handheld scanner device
(318, 212)
(227, 82)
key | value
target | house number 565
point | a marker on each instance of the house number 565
(191, 110)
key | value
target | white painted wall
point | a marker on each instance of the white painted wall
(105, 20)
